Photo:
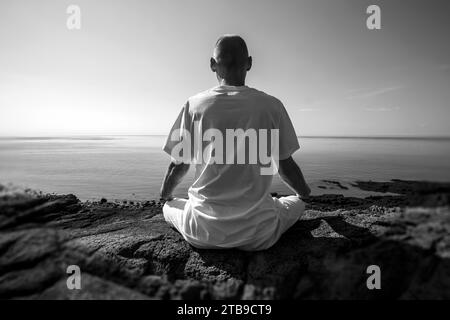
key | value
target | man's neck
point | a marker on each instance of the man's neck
(232, 82)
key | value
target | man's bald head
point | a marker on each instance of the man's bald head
(230, 60)
(231, 52)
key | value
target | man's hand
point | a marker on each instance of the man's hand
(166, 197)
(293, 176)
(175, 172)
(305, 194)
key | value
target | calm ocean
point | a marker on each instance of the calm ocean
(132, 167)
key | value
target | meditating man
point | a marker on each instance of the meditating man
(222, 131)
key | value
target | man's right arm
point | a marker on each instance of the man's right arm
(291, 174)
(174, 175)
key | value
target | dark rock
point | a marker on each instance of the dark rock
(191, 289)
(431, 194)
(336, 183)
(131, 253)
(229, 289)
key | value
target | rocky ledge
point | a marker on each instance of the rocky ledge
(127, 251)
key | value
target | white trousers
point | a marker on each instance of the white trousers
(289, 210)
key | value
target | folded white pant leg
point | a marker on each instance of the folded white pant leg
(288, 211)
(173, 211)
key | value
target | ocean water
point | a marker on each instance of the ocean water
(132, 167)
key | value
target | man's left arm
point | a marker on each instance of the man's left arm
(174, 175)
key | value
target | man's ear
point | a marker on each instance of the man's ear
(212, 64)
(249, 63)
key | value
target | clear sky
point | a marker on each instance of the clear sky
(134, 63)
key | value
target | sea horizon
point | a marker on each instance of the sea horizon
(99, 136)
(131, 167)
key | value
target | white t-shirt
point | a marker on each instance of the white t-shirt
(229, 202)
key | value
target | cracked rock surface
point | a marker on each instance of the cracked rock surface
(127, 251)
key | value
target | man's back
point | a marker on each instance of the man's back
(229, 200)
(235, 181)
(232, 133)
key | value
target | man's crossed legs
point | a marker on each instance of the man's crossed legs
(289, 210)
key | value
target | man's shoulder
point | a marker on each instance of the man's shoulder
(210, 94)
(267, 96)
(251, 91)
(199, 99)
(202, 95)
(268, 102)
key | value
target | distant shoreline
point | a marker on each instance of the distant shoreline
(113, 137)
